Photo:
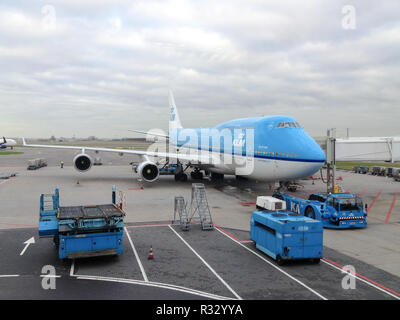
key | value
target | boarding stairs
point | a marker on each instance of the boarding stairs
(199, 205)
(180, 209)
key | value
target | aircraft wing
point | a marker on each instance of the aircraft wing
(195, 157)
(150, 133)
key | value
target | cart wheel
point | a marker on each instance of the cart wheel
(310, 213)
(279, 260)
(316, 261)
(56, 241)
(184, 177)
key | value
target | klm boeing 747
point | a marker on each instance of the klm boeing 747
(274, 148)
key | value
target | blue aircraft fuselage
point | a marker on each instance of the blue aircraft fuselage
(275, 143)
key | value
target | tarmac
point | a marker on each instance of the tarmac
(195, 264)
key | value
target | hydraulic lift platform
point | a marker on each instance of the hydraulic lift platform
(81, 231)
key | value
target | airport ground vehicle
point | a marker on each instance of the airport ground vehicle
(97, 161)
(175, 169)
(286, 235)
(361, 169)
(36, 164)
(335, 210)
(81, 231)
(396, 174)
(378, 171)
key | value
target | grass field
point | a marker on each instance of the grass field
(138, 145)
(349, 165)
(6, 153)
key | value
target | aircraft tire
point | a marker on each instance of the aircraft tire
(217, 176)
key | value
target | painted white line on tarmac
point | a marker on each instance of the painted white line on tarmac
(9, 275)
(136, 255)
(207, 265)
(156, 285)
(277, 268)
(71, 272)
(361, 279)
(3, 182)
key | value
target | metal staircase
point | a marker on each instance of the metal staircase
(199, 205)
(180, 209)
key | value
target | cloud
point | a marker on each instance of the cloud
(102, 67)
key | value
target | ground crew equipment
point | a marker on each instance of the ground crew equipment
(36, 163)
(81, 231)
(285, 235)
(335, 210)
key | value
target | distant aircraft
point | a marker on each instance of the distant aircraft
(274, 148)
(10, 143)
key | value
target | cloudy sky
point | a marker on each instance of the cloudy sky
(99, 67)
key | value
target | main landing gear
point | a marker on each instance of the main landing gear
(181, 177)
(196, 174)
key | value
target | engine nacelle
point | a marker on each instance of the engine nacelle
(148, 171)
(82, 162)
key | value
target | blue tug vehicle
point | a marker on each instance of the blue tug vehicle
(335, 210)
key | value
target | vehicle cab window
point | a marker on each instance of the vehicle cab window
(336, 204)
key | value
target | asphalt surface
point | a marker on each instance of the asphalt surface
(206, 265)
(187, 265)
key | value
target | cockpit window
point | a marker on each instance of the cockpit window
(288, 125)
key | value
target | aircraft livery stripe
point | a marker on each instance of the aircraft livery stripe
(257, 156)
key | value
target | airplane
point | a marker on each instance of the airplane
(7, 143)
(268, 148)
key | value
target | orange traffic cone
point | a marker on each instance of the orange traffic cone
(151, 255)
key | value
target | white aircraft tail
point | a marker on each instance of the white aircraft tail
(174, 121)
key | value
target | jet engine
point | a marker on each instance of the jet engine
(82, 162)
(148, 171)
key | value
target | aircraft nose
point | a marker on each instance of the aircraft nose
(317, 153)
(308, 149)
